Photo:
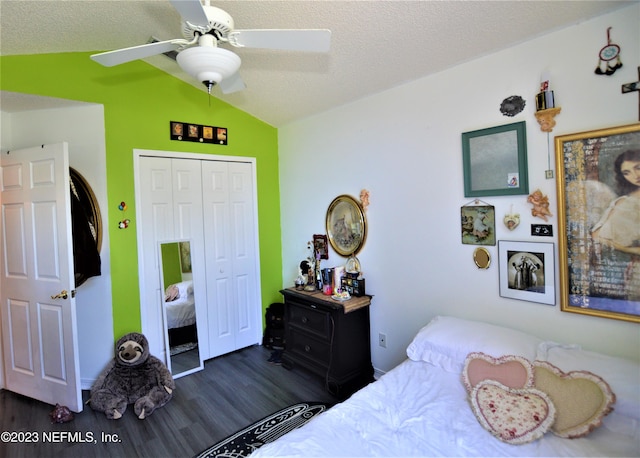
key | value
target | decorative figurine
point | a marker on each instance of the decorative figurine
(540, 204)
(364, 199)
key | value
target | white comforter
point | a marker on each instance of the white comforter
(181, 312)
(421, 410)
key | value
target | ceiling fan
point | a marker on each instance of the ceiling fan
(203, 27)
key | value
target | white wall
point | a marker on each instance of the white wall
(83, 128)
(404, 146)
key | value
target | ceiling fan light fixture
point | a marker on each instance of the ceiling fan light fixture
(208, 64)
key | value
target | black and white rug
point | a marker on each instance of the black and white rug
(244, 442)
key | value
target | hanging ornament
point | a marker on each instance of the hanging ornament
(511, 220)
(123, 224)
(607, 55)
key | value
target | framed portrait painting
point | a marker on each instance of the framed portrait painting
(527, 271)
(599, 222)
(346, 225)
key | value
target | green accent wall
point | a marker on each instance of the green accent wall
(171, 272)
(139, 103)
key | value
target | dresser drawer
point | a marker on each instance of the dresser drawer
(309, 318)
(304, 345)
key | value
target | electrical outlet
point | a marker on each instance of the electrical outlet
(548, 174)
(382, 340)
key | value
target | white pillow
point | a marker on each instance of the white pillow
(622, 375)
(446, 341)
(185, 288)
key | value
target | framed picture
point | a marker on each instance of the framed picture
(495, 161)
(527, 271)
(478, 224)
(346, 225)
(321, 245)
(598, 188)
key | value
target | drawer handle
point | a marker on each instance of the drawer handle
(305, 319)
(307, 348)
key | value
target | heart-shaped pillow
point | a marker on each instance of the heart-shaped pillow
(582, 399)
(515, 416)
(510, 370)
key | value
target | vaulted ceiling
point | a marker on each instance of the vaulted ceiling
(375, 45)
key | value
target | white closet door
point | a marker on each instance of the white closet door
(230, 246)
(188, 224)
(243, 251)
(156, 221)
(171, 209)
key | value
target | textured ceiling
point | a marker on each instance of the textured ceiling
(375, 45)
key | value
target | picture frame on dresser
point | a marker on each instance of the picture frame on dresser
(494, 161)
(599, 222)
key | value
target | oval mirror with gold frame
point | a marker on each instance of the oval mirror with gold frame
(482, 258)
(346, 225)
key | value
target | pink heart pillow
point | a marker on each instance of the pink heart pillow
(515, 416)
(511, 371)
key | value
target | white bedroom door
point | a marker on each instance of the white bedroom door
(39, 333)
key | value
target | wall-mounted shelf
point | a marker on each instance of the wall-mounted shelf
(546, 118)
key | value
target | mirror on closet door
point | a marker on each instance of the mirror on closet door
(179, 309)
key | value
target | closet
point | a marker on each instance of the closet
(210, 201)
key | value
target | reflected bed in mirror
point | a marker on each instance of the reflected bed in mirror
(179, 310)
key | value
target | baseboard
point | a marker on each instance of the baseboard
(86, 384)
(377, 373)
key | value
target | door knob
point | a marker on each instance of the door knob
(62, 295)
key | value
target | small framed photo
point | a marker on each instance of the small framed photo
(320, 245)
(527, 271)
(478, 224)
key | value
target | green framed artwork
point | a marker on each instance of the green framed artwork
(495, 161)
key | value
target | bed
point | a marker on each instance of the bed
(181, 313)
(425, 406)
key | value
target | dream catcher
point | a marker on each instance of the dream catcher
(609, 53)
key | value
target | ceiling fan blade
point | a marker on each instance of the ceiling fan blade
(314, 40)
(191, 11)
(120, 56)
(232, 84)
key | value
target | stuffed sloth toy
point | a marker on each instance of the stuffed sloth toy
(133, 376)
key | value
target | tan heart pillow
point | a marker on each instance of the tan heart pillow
(582, 399)
(512, 371)
(515, 416)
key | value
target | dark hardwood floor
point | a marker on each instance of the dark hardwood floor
(230, 393)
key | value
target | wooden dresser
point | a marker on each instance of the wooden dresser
(329, 338)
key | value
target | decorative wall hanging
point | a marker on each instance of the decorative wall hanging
(540, 204)
(598, 226)
(364, 199)
(512, 105)
(495, 161)
(542, 230)
(346, 225)
(482, 258)
(123, 223)
(478, 223)
(511, 219)
(187, 132)
(606, 56)
(527, 271)
(633, 87)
